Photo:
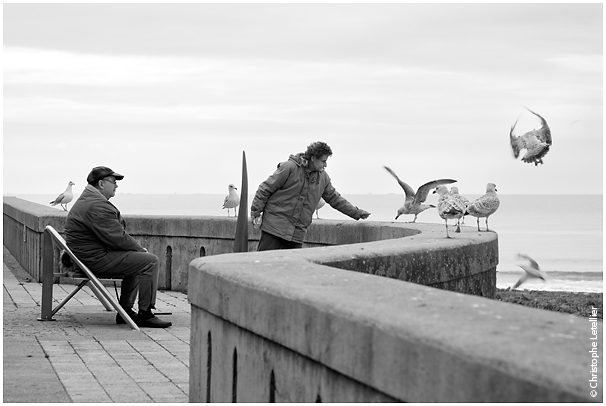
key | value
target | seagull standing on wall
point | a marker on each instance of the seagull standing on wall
(232, 200)
(531, 270)
(64, 198)
(485, 205)
(536, 142)
(321, 204)
(454, 192)
(413, 201)
(449, 207)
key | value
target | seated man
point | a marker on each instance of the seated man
(95, 232)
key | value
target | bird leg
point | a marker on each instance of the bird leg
(458, 230)
(447, 236)
(486, 224)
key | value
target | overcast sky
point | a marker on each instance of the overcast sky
(170, 95)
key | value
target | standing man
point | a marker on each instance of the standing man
(289, 197)
(95, 232)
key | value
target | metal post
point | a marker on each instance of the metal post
(47, 277)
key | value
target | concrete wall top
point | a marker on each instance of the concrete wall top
(36, 217)
(412, 342)
(33, 215)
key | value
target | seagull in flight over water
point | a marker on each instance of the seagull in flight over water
(531, 270)
(64, 198)
(536, 142)
(413, 204)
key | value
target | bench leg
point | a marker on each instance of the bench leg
(101, 298)
(68, 297)
(47, 279)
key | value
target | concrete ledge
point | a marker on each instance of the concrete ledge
(405, 341)
(411, 252)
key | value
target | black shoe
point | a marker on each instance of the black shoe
(131, 313)
(147, 319)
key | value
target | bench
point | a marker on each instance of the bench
(52, 238)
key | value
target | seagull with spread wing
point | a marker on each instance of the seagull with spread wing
(232, 200)
(532, 270)
(64, 198)
(413, 204)
(535, 142)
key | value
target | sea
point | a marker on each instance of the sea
(563, 233)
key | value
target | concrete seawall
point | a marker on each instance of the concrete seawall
(285, 327)
(330, 324)
(401, 251)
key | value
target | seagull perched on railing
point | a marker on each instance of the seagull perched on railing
(536, 142)
(413, 201)
(64, 198)
(485, 205)
(531, 270)
(232, 200)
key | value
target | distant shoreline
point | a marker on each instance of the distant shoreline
(577, 303)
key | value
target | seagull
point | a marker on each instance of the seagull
(485, 205)
(536, 142)
(413, 202)
(64, 198)
(232, 200)
(321, 204)
(449, 207)
(454, 192)
(532, 270)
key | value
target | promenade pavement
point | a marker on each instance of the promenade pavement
(84, 356)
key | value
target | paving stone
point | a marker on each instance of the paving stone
(83, 356)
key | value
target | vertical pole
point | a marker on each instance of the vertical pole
(241, 240)
(47, 277)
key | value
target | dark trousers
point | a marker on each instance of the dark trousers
(271, 242)
(140, 271)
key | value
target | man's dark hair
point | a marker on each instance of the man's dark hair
(317, 149)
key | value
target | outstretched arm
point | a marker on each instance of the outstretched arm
(338, 202)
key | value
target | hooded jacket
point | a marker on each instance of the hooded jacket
(289, 197)
(93, 227)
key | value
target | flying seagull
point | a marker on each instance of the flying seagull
(64, 198)
(449, 207)
(535, 142)
(232, 200)
(485, 205)
(531, 270)
(413, 204)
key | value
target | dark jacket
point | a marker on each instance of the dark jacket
(94, 227)
(289, 197)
